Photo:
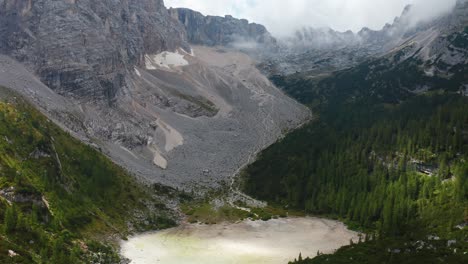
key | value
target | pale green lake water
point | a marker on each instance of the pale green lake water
(249, 242)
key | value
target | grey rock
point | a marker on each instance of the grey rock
(164, 123)
(451, 242)
(12, 196)
(250, 115)
(86, 48)
(224, 31)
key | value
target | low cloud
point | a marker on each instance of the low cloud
(283, 18)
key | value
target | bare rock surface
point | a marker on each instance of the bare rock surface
(224, 31)
(153, 130)
(86, 48)
(120, 75)
(247, 114)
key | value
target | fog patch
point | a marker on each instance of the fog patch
(245, 44)
(427, 10)
(339, 15)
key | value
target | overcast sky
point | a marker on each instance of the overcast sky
(283, 17)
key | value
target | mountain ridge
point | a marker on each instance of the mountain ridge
(224, 31)
(341, 50)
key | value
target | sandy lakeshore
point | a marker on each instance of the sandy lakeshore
(272, 242)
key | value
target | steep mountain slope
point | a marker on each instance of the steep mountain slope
(434, 57)
(86, 48)
(58, 197)
(326, 50)
(386, 152)
(120, 75)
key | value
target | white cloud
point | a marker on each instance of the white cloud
(282, 17)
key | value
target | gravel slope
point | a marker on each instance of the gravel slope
(189, 125)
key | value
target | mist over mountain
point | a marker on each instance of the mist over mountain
(119, 117)
(327, 50)
(412, 18)
(224, 31)
(283, 18)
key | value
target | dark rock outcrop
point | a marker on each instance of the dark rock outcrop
(225, 31)
(86, 48)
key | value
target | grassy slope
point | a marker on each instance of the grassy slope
(89, 198)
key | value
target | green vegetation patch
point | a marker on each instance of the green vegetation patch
(397, 170)
(395, 252)
(208, 214)
(386, 169)
(200, 102)
(59, 197)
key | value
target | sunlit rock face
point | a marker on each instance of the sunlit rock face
(272, 242)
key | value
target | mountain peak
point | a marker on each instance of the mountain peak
(224, 31)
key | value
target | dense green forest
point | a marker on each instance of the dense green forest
(60, 199)
(389, 170)
(379, 167)
(382, 155)
(396, 251)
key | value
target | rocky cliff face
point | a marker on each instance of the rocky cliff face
(86, 48)
(225, 31)
(119, 75)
